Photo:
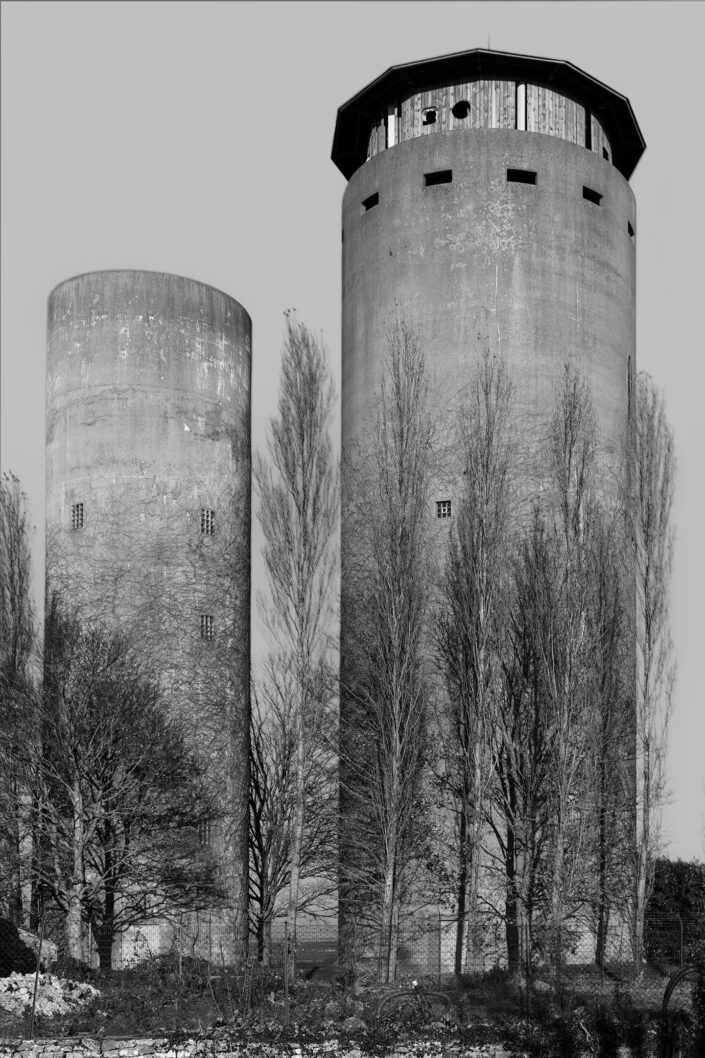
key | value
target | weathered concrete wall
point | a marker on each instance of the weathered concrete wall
(148, 422)
(536, 273)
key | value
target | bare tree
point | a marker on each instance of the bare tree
(522, 739)
(17, 634)
(273, 801)
(609, 788)
(469, 620)
(121, 805)
(298, 514)
(384, 695)
(565, 646)
(649, 502)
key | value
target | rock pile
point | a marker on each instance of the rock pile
(55, 995)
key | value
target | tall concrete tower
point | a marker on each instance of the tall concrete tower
(488, 203)
(148, 498)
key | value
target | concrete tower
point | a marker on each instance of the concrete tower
(148, 496)
(488, 203)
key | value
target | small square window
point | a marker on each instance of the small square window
(443, 509)
(77, 516)
(370, 203)
(429, 116)
(207, 521)
(207, 626)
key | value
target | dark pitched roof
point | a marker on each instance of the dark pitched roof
(613, 110)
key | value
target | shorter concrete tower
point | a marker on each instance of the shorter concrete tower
(148, 498)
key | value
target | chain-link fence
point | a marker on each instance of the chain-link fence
(189, 958)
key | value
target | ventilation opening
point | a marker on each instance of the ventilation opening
(630, 229)
(207, 626)
(461, 109)
(370, 203)
(521, 176)
(442, 176)
(77, 516)
(443, 509)
(207, 521)
(592, 196)
(429, 116)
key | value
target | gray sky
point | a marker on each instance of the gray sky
(195, 138)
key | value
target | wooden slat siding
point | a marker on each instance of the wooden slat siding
(599, 138)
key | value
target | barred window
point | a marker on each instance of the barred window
(207, 626)
(442, 508)
(207, 521)
(204, 832)
(77, 516)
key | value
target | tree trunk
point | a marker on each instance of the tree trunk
(74, 938)
(461, 891)
(602, 898)
(512, 906)
(297, 838)
(387, 929)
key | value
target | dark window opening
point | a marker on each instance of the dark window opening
(443, 509)
(588, 130)
(207, 626)
(521, 176)
(592, 196)
(429, 116)
(77, 516)
(207, 521)
(371, 202)
(461, 109)
(629, 386)
(442, 176)
(630, 229)
(605, 154)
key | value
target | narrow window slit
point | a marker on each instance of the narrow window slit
(521, 176)
(630, 229)
(441, 176)
(592, 196)
(370, 202)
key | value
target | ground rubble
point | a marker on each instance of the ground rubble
(55, 995)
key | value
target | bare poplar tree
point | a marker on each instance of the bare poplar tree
(470, 617)
(17, 634)
(384, 696)
(298, 514)
(565, 646)
(609, 788)
(273, 801)
(649, 502)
